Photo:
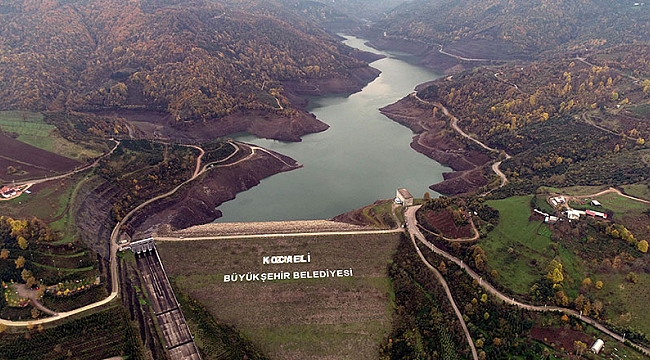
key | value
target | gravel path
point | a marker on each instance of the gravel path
(270, 227)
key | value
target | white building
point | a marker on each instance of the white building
(404, 197)
(574, 214)
(597, 346)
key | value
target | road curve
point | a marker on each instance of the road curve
(613, 190)
(454, 125)
(415, 231)
(113, 246)
(83, 168)
(443, 282)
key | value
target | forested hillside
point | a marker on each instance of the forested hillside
(197, 60)
(565, 121)
(521, 27)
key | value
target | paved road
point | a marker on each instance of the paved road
(413, 229)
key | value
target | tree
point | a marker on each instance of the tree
(480, 258)
(597, 307)
(642, 246)
(22, 242)
(442, 267)
(25, 274)
(35, 313)
(599, 284)
(632, 277)
(554, 272)
(495, 274)
(4, 254)
(20, 262)
(427, 196)
(3, 328)
(580, 347)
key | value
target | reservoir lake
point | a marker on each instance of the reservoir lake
(363, 157)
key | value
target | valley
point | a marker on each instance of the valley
(129, 127)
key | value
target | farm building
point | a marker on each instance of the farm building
(404, 197)
(597, 346)
(574, 214)
(596, 214)
(595, 202)
(551, 219)
(7, 192)
(558, 200)
(541, 212)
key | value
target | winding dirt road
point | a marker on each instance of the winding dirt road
(115, 237)
(613, 190)
(84, 168)
(445, 286)
(454, 125)
(415, 231)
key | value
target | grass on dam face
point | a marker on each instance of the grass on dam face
(334, 317)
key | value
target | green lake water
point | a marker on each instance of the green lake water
(362, 157)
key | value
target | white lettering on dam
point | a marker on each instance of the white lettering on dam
(286, 259)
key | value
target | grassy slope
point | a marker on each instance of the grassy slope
(32, 130)
(629, 301)
(638, 190)
(294, 319)
(532, 248)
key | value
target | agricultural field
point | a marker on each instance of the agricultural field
(519, 248)
(22, 161)
(98, 335)
(341, 317)
(629, 301)
(30, 128)
(48, 201)
(637, 190)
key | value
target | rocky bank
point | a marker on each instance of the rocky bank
(197, 202)
(437, 140)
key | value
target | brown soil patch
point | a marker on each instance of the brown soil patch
(33, 161)
(197, 202)
(561, 337)
(157, 125)
(443, 223)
